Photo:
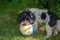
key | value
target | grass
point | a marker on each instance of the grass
(9, 28)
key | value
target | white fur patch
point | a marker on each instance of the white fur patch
(58, 25)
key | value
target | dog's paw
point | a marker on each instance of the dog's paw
(55, 33)
(47, 36)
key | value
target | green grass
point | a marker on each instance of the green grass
(9, 28)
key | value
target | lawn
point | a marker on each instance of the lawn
(9, 27)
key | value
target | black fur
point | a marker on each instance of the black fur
(26, 15)
(53, 18)
(43, 16)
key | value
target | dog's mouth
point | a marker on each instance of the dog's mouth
(27, 23)
(31, 21)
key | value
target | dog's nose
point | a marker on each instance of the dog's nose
(24, 24)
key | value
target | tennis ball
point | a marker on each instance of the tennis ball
(27, 29)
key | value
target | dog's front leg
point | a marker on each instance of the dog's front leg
(55, 32)
(49, 31)
(36, 26)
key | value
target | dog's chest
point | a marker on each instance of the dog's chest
(37, 16)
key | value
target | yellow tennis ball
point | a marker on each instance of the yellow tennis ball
(27, 29)
(23, 28)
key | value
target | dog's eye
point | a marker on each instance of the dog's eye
(31, 16)
(26, 17)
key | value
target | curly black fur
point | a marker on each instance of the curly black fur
(26, 15)
(53, 18)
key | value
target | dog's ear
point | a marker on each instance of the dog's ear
(21, 17)
(43, 15)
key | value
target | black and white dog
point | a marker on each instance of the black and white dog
(35, 15)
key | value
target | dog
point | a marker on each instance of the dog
(35, 15)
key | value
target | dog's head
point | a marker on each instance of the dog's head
(26, 17)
